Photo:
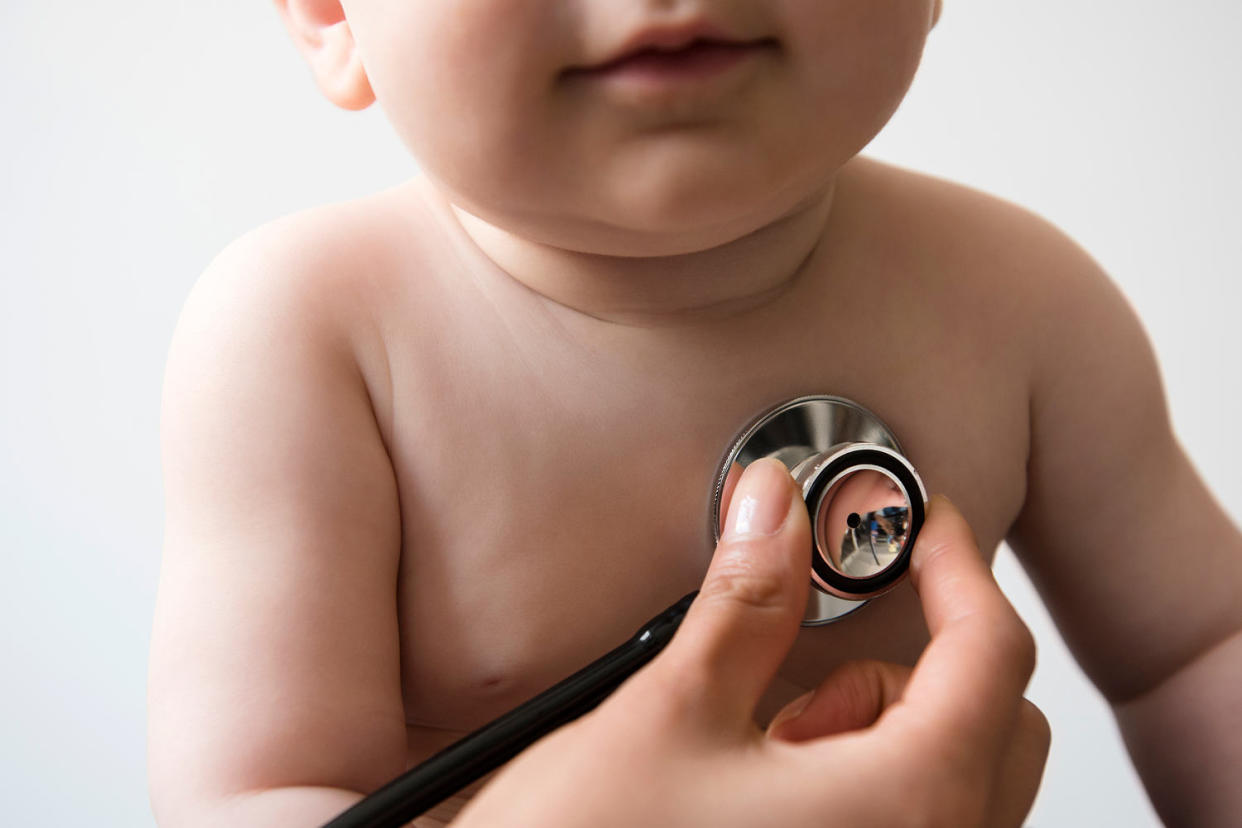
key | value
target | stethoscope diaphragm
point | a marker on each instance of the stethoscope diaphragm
(864, 498)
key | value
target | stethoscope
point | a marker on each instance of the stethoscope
(866, 505)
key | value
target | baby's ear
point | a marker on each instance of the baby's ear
(323, 36)
(939, 7)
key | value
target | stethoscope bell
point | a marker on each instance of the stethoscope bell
(865, 500)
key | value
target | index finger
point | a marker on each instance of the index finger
(967, 686)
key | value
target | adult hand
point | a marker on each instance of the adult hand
(950, 743)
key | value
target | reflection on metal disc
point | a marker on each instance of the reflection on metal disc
(859, 491)
(863, 522)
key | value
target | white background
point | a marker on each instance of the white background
(140, 138)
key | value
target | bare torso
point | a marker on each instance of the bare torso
(555, 470)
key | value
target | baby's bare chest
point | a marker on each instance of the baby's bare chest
(551, 503)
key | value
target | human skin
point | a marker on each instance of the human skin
(677, 744)
(672, 170)
(425, 452)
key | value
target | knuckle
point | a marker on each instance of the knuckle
(737, 580)
(930, 550)
(1034, 726)
(1004, 640)
(1018, 643)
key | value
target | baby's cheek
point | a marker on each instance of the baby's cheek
(426, 61)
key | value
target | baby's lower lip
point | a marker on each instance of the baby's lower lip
(654, 69)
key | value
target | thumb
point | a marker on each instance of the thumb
(739, 629)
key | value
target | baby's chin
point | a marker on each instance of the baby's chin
(634, 239)
(662, 196)
(702, 210)
(648, 227)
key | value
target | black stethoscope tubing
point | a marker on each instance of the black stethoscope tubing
(478, 754)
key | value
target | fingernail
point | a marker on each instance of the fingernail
(761, 500)
(791, 711)
(931, 504)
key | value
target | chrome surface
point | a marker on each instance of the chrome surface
(862, 523)
(808, 434)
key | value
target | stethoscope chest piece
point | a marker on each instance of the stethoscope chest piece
(864, 498)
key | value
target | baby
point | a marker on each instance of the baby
(428, 452)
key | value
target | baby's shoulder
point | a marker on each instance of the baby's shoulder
(999, 269)
(961, 238)
(335, 261)
(981, 270)
(319, 283)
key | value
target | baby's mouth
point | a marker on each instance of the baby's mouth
(702, 56)
(693, 59)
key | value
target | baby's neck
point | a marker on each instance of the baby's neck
(740, 275)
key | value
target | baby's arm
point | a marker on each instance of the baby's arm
(1141, 568)
(274, 694)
